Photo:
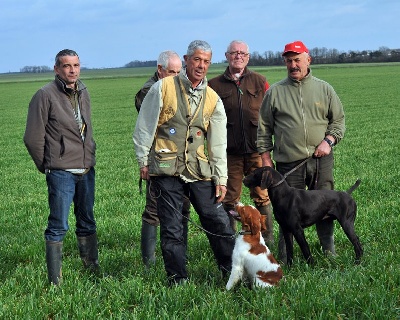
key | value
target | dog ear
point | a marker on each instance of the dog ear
(245, 220)
(255, 226)
(263, 224)
(264, 184)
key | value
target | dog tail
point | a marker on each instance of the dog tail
(354, 187)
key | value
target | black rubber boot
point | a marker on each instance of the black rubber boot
(54, 261)
(89, 253)
(268, 234)
(148, 244)
(325, 230)
(282, 257)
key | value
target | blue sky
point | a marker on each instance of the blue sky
(114, 32)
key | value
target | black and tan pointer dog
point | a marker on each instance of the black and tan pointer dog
(296, 209)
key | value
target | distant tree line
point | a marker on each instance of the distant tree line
(319, 56)
(137, 64)
(35, 69)
(330, 56)
(270, 58)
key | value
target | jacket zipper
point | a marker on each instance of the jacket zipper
(304, 118)
(240, 94)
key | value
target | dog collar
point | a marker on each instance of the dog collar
(243, 233)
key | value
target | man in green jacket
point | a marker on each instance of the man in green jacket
(302, 117)
(180, 144)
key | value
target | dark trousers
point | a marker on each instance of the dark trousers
(212, 218)
(316, 173)
(149, 214)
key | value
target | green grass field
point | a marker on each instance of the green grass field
(333, 289)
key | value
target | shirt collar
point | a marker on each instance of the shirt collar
(198, 86)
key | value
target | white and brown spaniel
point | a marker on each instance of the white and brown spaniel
(252, 261)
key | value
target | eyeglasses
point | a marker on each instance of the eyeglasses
(238, 53)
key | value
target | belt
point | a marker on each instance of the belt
(79, 173)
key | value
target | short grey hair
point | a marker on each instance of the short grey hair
(164, 57)
(63, 53)
(198, 45)
(239, 42)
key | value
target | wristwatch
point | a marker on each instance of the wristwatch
(330, 142)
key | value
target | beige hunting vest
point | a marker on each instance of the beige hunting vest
(180, 142)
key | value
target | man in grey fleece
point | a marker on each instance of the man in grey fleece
(302, 117)
(59, 138)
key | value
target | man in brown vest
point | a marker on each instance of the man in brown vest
(242, 92)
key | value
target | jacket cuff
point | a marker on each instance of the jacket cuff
(220, 181)
(142, 163)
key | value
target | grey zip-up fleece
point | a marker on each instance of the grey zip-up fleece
(295, 116)
(52, 134)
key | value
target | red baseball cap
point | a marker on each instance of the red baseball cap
(296, 47)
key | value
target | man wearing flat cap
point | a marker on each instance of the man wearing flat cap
(302, 117)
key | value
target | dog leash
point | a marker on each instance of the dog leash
(140, 186)
(314, 186)
(191, 221)
(297, 167)
(289, 173)
(195, 224)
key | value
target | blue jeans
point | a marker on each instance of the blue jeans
(63, 189)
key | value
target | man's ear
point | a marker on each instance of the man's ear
(159, 68)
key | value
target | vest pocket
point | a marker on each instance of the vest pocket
(165, 158)
(202, 161)
(164, 163)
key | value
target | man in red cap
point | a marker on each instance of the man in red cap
(302, 117)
